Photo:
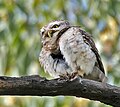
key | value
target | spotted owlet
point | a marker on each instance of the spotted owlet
(68, 51)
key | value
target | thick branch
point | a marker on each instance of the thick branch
(39, 86)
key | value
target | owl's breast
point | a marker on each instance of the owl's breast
(76, 52)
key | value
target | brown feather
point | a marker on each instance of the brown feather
(88, 40)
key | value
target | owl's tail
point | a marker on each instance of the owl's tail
(96, 75)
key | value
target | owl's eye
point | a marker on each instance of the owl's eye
(42, 32)
(55, 26)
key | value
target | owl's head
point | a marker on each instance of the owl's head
(53, 28)
(51, 32)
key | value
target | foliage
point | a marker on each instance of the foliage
(20, 22)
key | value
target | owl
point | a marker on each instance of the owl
(69, 51)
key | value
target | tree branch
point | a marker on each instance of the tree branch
(38, 86)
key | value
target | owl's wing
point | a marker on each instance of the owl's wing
(88, 40)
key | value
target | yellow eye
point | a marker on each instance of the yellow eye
(55, 26)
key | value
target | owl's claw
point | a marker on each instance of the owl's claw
(73, 76)
(63, 77)
(69, 77)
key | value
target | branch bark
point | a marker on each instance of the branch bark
(38, 86)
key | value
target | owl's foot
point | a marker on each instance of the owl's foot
(64, 77)
(70, 77)
(73, 76)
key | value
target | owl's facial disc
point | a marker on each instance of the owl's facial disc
(53, 28)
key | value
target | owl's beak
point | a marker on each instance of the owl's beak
(50, 32)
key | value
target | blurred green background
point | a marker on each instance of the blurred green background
(20, 23)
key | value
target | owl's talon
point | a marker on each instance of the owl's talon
(63, 77)
(72, 76)
(75, 74)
